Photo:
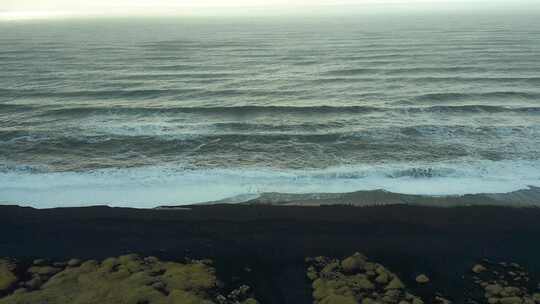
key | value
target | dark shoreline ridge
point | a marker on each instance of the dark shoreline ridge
(272, 242)
(529, 197)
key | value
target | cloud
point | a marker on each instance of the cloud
(43, 8)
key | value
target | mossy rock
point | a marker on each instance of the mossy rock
(354, 263)
(7, 275)
(250, 301)
(123, 280)
(339, 299)
(395, 284)
(44, 270)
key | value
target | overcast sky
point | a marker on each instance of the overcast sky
(43, 8)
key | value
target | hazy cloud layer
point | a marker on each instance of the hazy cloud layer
(42, 8)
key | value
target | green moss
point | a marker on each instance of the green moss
(339, 299)
(250, 301)
(123, 280)
(195, 277)
(7, 275)
(354, 262)
(43, 270)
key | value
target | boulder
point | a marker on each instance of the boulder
(510, 291)
(39, 262)
(417, 301)
(442, 300)
(33, 284)
(369, 301)
(360, 281)
(478, 268)
(46, 271)
(493, 289)
(312, 273)
(528, 300)
(422, 279)
(395, 284)
(7, 275)
(130, 283)
(74, 262)
(339, 299)
(511, 300)
(353, 263)
(382, 278)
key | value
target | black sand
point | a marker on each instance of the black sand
(265, 246)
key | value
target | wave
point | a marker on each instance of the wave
(105, 137)
(138, 94)
(297, 110)
(427, 70)
(454, 96)
(154, 186)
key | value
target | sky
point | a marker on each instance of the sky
(32, 9)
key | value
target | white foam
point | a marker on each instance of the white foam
(154, 186)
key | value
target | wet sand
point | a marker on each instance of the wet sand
(273, 241)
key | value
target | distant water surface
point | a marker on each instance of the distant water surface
(150, 111)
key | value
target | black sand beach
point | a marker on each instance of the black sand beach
(265, 246)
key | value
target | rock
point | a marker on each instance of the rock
(20, 290)
(510, 291)
(527, 300)
(493, 289)
(403, 302)
(250, 301)
(159, 286)
(46, 271)
(395, 284)
(312, 273)
(354, 262)
(371, 273)
(360, 281)
(131, 283)
(478, 268)
(60, 264)
(150, 259)
(382, 278)
(394, 293)
(39, 262)
(329, 270)
(536, 297)
(511, 300)
(368, 266)
(33, 284)
(7, 275)
(339, 299)
(368, 301)
(392, 296)
(221, 299)
(417, 301)
(74, 262)
(239, 293)
(422, 279)
(442, 300)
(493, 300)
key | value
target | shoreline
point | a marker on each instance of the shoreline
(528, 197)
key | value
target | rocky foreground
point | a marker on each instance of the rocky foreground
(416, 255)
(126, 279)
(131, 279)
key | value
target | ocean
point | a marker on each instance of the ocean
(142, 112)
